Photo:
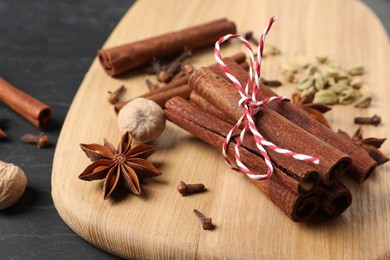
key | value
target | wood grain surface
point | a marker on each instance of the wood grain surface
(160, 223)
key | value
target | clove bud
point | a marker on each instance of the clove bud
(172, 68)
(374, 120)
(188, 189)
(150, 84)
(41, 140)
(113, 97)
(206, 222)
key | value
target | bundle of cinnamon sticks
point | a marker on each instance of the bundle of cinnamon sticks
(296, 187)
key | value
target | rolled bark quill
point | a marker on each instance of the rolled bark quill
(362, 164)
(210, 108)
(334, 198)
(36, 112)
(274, 127)
(178, 87)
(296, 206)
(120, 59)
(307, 178)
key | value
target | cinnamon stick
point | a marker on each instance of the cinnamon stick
(306, 175)
(210, 108)
(162, 94)
(281, 189)
(362, 164)
(36, 112)
(120, 59)
(274, 127)
(334, 198)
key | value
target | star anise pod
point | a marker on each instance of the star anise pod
(315, 110)
(371, 145)
(124, 165)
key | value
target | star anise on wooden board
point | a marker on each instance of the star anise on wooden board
(371, 145)
(315, 110)
(122, 166)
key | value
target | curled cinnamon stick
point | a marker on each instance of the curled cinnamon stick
(362, 164)
(307, 177)
(36, 112)
(281, 189)
(210, 108)
(126, 57)
(273, 126)
(334, 198)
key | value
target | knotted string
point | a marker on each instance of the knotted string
(251, 106)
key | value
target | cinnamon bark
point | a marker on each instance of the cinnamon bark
(362, 164)
(162, 94)
(280, 188)
(36, 112)
(120, 59)
(210, 108)
(304, 173)
(274, 127)
(334, 198)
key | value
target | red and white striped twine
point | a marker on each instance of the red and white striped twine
(251, 106)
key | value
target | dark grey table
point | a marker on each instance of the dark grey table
(46, 47)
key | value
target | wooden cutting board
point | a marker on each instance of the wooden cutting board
(160, 223)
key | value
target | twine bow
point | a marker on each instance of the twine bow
(251, 106)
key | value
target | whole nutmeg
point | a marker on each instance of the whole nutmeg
(143, 118)
(13, 182)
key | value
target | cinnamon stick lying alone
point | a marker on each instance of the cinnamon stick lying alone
(120, 59)
(36, 112)
(284, 191)
(177, 87)
(274, 127)
(362, 164)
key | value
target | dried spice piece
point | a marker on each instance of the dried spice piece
(166, 74)
(271, 83)
(315, 110)
(121, 59)
(372, 120)
(151, 85)
(187, 189)
(2, 133)
(362, 163)
(113, 96)
(36, 112)
(206, 222)
(13, 182)
(332, 84)
(371, 145)
(143, 118)
(124, 165)
(40, 140)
